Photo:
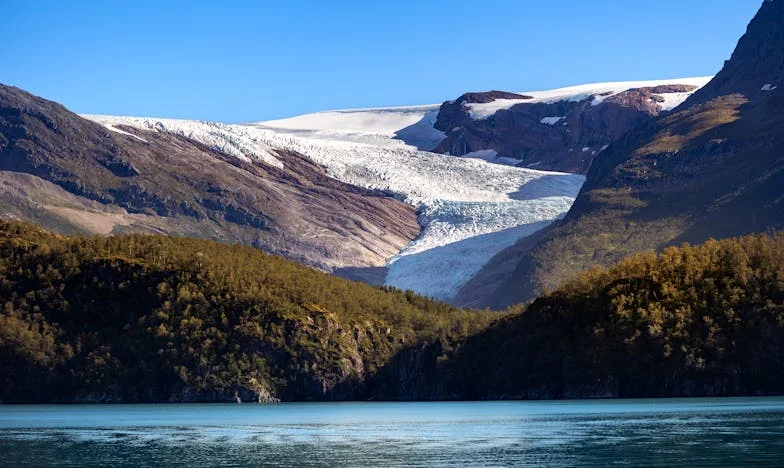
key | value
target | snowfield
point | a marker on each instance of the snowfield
(392, 126)
(233, 140)
(597, 91)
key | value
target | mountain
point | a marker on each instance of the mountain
(469, 210)
(328, 195)
(150, 318)
(328, 180)
(69, 173)
(557, 130)
(712, 168)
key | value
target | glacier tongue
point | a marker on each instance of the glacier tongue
(470, 209)
(459, 238)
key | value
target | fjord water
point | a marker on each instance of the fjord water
(679, 432)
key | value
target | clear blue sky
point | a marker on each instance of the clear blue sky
(237, 61)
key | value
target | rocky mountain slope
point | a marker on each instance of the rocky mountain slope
(282, 184)
(72, 174)
(558, 130)
(714, 167)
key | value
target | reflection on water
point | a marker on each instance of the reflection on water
(694, 432)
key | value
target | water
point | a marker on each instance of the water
(682, 432)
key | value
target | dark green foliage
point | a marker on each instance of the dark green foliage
(693, 321)
(154, 318)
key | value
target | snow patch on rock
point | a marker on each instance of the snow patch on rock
(673, 100)
(234, 140)
(123, 132)
(551, 120)
(597, 92)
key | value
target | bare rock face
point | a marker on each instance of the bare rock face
(74, 175)
(560, 136)
(453, 116)
(756, 68)
(488, 96)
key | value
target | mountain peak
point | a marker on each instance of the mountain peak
(756, 68)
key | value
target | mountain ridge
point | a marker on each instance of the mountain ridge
(713, 168)
(163, 182)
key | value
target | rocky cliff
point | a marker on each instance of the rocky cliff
(563, 131)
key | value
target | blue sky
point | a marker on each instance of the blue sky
(237, 61)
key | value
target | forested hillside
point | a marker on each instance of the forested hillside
(153, 318)
(693, 321)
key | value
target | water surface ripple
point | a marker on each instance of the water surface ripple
(679, 432)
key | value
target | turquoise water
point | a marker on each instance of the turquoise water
(681, 432)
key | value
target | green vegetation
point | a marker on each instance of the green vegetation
(698, 321)
(154, 318)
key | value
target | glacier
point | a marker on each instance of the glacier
(469, 208)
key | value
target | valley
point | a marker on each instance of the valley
(402, 234)
(469, 209)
